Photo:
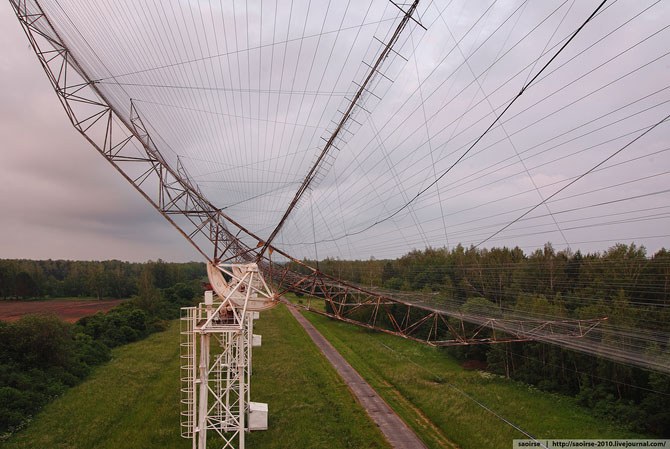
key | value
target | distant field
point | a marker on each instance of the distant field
(132, 402)
(69, 309)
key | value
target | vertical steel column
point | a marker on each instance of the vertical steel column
(204, 386)
(222, 356)
(194, 397)
(249, 337)
(241, 359)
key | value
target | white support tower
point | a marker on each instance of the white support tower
(217, 340)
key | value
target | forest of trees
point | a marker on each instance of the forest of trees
(41, 356)
(624, 283)
(37, 279)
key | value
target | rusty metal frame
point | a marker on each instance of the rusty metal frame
(126, 143)
(356, 305)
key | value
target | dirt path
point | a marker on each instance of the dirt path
(70, 311)
(394, 429)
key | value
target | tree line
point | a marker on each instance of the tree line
(35, 279)
(622, 283)
(41, 356)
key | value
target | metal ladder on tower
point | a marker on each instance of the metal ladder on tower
(187, 352)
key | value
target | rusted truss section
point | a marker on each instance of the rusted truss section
(124, 140)
(413, 320)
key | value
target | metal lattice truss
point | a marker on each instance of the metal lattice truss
(127, 144)
(416, 321)
(227, 386)
(216, 348)
(125, 141)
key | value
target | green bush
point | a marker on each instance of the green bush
(41, 356)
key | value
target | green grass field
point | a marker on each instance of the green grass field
(414, 379)
(132, 402)
(316, 304)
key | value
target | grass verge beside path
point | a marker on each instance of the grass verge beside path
(310, 405)
(133, 401)
(414, 378)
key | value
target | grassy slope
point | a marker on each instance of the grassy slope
(137, 390)
(132, 402)
(316, 304)
(407, 375)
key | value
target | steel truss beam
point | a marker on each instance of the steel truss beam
(413, 320)
(125, 142)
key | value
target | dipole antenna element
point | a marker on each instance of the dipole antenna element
(345, 117)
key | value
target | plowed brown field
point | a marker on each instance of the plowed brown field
(68, 310)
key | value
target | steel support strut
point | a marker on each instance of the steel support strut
(340, 126)
(223, 326)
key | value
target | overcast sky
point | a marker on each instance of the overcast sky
(60, 199)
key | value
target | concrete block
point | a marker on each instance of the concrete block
(256, 340)
(258, 416)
